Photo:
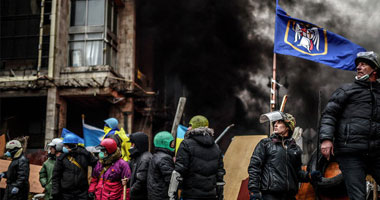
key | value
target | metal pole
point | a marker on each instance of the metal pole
(53, 17)
(41, 37)
(223, 133)
(273, 90)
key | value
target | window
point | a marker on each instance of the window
(93, 27)
(19, 34)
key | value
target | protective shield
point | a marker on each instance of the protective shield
(272, 116)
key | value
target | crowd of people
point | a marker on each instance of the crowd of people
(198, 165)
(349, 131)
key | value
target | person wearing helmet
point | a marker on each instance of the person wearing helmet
(275, 167)
(70, 170)
(350, 126)
(140, 158)
(110, 130)
(46, 172)
(161, 166)
(18, 172)
(199, 163)
(109, 173)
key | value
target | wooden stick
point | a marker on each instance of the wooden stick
(284, 99)
(177, 118)
(125, 191)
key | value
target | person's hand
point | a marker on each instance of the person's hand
(327, 149)
(255, 196)
(124, 181)
(315, 176)
(15, 190)
(91, 195)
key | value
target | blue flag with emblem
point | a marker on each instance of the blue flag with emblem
(302, 39)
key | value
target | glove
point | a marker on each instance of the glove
(315, 176)
(91, 195)
(15, 190)
(255, 196)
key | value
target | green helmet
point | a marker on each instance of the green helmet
(368, 57)
(13, 144)
(163, 140)
(198, 121)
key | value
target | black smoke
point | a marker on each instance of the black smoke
(218, 53)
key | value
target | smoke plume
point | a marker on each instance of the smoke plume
(219, 53)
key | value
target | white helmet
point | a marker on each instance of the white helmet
(56, 143)
(13, 144)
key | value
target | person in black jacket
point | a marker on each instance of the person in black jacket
(161, 166)
(275, 167)
(70, 173)
(199, 164)
(18, 173)
(350, 126)
(140, 158)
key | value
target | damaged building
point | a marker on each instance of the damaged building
(64, 59)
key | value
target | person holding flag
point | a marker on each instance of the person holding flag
(198, 149)
(350, 126)
(111, 130)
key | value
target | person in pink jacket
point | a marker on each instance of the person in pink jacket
(110, 173)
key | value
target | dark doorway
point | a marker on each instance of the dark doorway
(24, 117)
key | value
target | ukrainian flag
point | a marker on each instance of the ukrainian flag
(181, 130)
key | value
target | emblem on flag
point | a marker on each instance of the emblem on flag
(306, 38)
(303, 39)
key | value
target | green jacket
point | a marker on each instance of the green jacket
(46, 174)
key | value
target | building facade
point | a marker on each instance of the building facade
(64, 59)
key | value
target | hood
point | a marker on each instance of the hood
(141, 141)
(111, 158)
(203, 136)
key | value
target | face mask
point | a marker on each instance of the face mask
(107, 129)
(365, 77)
(8, 154)
(132, 150)
(101, 155)
(65, 150)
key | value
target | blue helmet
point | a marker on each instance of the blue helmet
(70, 139)
(112, 123)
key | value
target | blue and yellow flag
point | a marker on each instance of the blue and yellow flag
(302, 39)
(181, 131)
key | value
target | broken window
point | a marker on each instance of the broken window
(92, 31)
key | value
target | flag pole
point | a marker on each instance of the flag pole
(273, 89)
(273, 92)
